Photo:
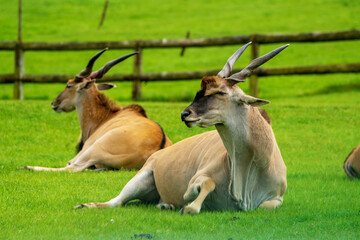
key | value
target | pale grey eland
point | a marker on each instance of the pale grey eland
(237, 167)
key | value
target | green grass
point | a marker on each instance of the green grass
(315, 118)
(78, 20)
(315, 130)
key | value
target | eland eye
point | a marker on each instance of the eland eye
(221, 93)
(68, 86)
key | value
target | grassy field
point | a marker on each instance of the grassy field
(315, 118)
(315, 133)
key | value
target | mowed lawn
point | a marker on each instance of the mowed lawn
(315, 118)
(316, 127)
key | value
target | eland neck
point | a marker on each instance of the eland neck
(235, 131)
(238, 134)
(93, 110)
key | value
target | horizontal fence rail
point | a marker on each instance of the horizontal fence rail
(178, 43)
(137, 77)
(153, 77)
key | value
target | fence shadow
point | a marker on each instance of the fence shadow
(334, 89)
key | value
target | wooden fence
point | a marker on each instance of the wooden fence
(18, 77)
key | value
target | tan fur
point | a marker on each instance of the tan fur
(237, 167)
(113, 137)
(96, 109)
(209, 83)
(352, 163)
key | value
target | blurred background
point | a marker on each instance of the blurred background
(115, 20)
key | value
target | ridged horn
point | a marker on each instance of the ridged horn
(241, 76)
(100, 73)
(87, 71)
(225, 72)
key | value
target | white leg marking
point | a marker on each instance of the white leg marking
(140, 185)
(206, 186)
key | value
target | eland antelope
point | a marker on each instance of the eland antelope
(112, 137)
(237, 167)
(352, 163)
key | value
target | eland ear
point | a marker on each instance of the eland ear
(86, 84)
(252, 101)
(105, 86)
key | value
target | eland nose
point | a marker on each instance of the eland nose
(184, 115)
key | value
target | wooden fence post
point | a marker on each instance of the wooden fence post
(183, 48)
(136, 88)
(253, 87)
(103, 14)
(19, 72)
(19, 61)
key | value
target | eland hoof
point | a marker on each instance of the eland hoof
(80, 206)
(25, 168)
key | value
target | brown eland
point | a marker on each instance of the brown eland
(236, 168)
(352, 163)
(112, 137)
